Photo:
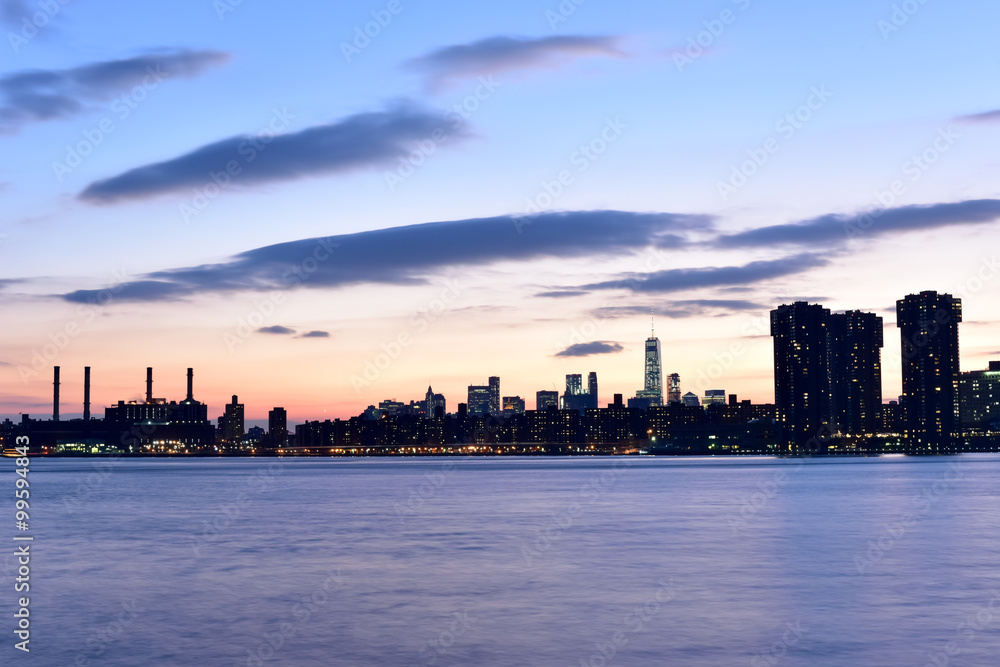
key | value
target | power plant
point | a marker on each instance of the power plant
(152, 426)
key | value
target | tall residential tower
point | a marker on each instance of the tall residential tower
(928, 323)
(801, 373)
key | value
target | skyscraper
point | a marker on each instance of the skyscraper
(575, 397)
(480, 399)
(494, 395)
(856, 340)
(928, 324)
(801, 372)
(433, 401)
(544, 399)
(653, 375)
(674, 388)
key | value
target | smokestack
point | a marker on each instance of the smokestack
(149, 385)
(86, 393)
(55, 394)
(190, 396)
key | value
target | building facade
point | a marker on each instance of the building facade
(928, 324)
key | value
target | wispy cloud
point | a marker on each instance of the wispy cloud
(985, 117)
(590, 349)
(834, 229)
(495, 55)
(679, 280)
(34, 96)
(315, 334)
(682, 309)
(410, 255)
(561, 294)
(361, 141)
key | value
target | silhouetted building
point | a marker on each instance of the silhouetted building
(640, 403)
(480, 399)
(928, 324)
(277, 427)
(690, 400)
(494, 384)
(232, 424)
(979, 398)
(434, 401)
(544, 399)
(714, 397)
(674, 388)
(574, 384)
(576, 398)
(513, 405)
(158, 426)
(892, 417)
(653, 372)
(801, 372)
(393, 407)
(855, 363)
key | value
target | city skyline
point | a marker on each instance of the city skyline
(837, 355)
(523, 187)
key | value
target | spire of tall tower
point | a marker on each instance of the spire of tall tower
(652, 324)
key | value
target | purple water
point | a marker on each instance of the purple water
(543, 561)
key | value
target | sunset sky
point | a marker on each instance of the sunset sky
(319, 218)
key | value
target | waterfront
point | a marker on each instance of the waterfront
(514, 561)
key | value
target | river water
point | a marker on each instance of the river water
(511, 561)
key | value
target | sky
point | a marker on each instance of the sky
(324, 205)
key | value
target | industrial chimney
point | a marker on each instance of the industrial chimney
(149, 385)
(86, 393)
(190, 396)
(55, 394)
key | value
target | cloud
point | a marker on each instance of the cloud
(838, 229)
(363, 140)
(590, 349)
(34, 96)
(5, 363)
(681, 309)
(501, 54)
(9, 282)
(139, 290)
(679, 280)
(561, 294)
(277, 330)
(985, 117)
(409, 255)
(316, 334)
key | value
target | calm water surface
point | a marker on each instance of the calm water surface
(542, 561)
